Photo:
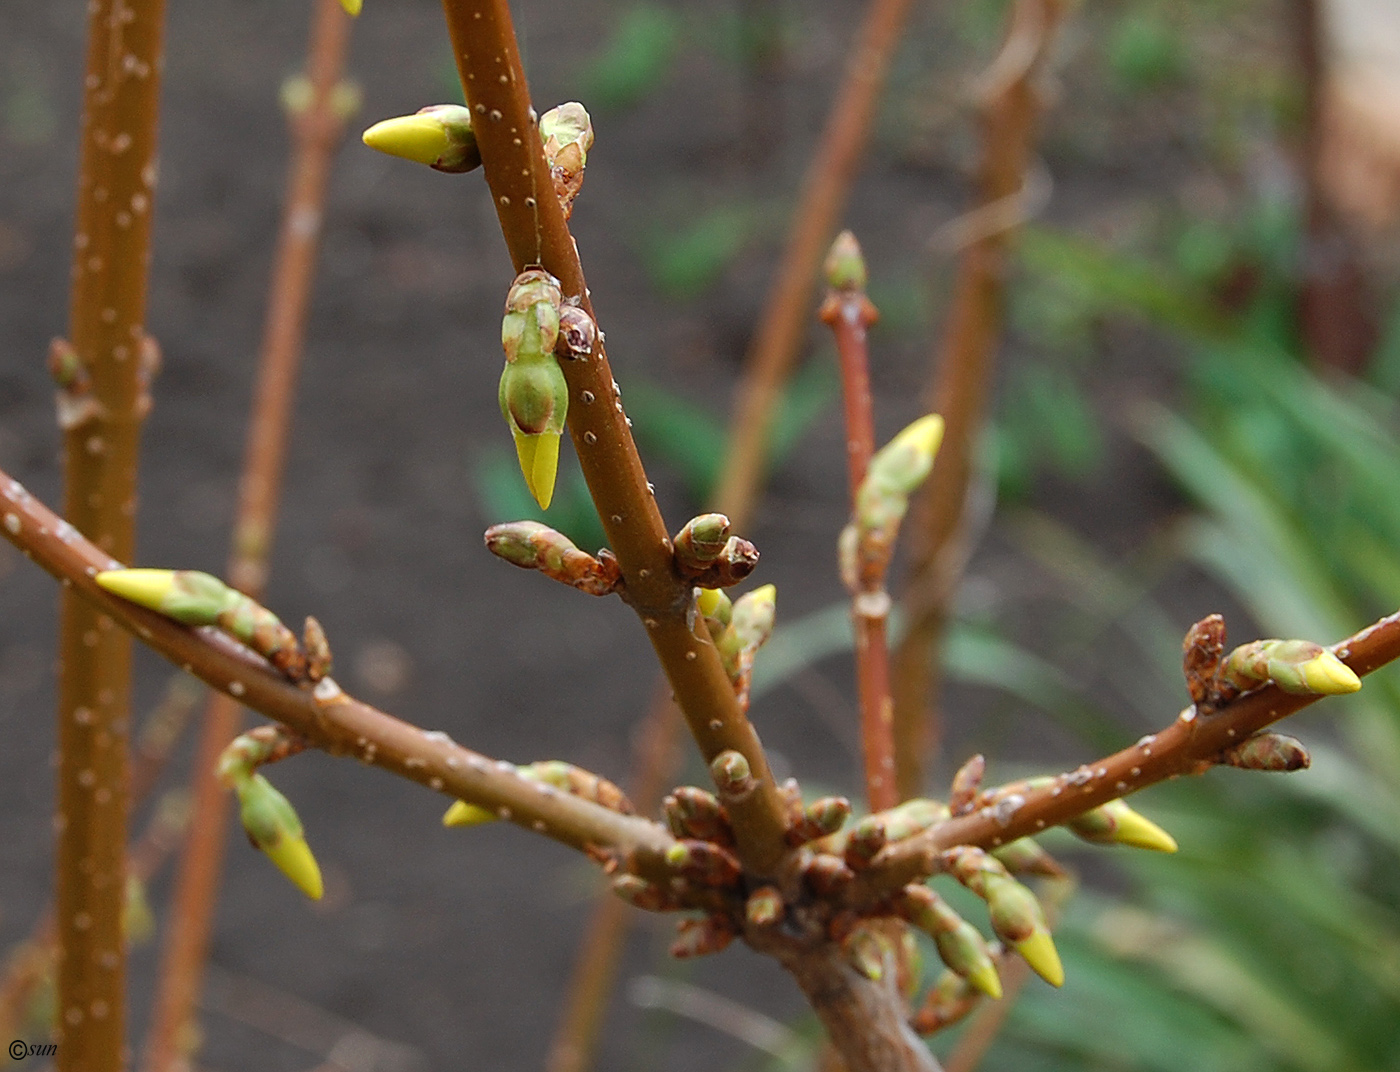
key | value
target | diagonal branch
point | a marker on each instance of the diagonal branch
(536, 233)
(327, 717)
(1192, 744)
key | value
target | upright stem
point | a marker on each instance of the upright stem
(536, 233)
(824, 193)
(848, 312)
(967, 352)
(317, 131)
(111, 244)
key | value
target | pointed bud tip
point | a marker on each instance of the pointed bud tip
(419, 138)
(293, 858)
(539, 464)
(1328, 675)
(1040, 953)
(845, 265)
(984, 977)
(1141, 832)
(463, 814)
(352, 7)
(924, 435)
(147, 587)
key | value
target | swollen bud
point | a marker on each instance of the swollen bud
(1296, 666)
(1268, 752)
(1116, 823)
(845, 265)
(567, 133)
(439, 135)
(273, 826)
(533, 394)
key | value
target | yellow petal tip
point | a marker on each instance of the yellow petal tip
(352, 7)
(463, 814)
(293, 858)
(925, 435)
(1328, 675)
(1141, 832)
(986, 980)
(419, 138)
(539, 464)
(1040, 953)
(148, 587)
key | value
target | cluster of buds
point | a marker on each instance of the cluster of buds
(567, 133)
(533, 394)
(895, 472)
(439, 135)
(708, 556)
(1296, 666)
(532, 545)
(552, 772)
(697, 813)
(1016, 915)
(200, 599)
(268, 817)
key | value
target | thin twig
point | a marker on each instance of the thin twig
(1192, 744)
(940, 541)
(327, 717)
(849, 313)
(825, 190)
(317, 129)
(102, 373)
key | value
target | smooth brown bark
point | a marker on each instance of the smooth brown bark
(111, 254)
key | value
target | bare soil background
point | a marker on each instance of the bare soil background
(459, 944)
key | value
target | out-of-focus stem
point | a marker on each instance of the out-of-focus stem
(966, 353)
(655, 757)
(111, 255)
(317, 129)
(825, 191)
(848, 312)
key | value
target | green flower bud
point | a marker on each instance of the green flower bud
(273, 826)
(1116, 823)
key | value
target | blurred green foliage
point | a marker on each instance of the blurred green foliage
(635, 59)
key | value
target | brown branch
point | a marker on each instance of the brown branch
(329, 718)
(865, 1020)
(316, 129)
(849, 313)
(536, 233)
(116, 179)
(825, 190)
(1192, 744)
(967, 351)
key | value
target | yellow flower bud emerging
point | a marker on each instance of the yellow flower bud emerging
(1138, 830)
(352, 7)
(148, 587)
(1329, 676)
(419, 137)
(539, 463)
(984, 977)
(923, 438)
(293, 858)
(1038, 950)
(463, 814)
